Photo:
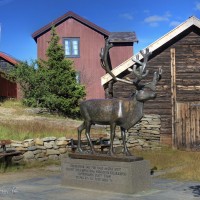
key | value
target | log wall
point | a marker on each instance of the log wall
(187, 63)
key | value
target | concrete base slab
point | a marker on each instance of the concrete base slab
(112, 176)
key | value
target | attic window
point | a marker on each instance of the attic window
(72, 47)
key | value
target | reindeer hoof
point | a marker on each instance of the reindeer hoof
(80, 150)
(111, 153)
(128, 153)
(93, 152)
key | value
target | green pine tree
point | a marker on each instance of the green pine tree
(64, 91)
(52, 84)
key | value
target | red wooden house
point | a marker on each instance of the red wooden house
(8, 89)
(82, 41)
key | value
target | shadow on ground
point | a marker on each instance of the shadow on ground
(195, 190)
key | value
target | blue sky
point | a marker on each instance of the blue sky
(149, 19)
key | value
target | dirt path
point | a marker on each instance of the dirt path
(25, 174)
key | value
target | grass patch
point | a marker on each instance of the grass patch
(179, 165)
(22, 130)
(25, 129)
(12, 103)
(18, 124)
(33, 129)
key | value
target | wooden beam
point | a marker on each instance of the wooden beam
(152, 47)
(190, 87)
(173, 96)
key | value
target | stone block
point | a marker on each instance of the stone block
(62, 150)
(39, 142)
(29, 144)
(37, 151)
(20, 149)
(48, 145)
(61, 142)
(28, 155)
(112, 176)
(16, 145)
(53, 157)
(28, 140)
(62, 138)
(32, 148)
(48, 139)
(40, 155)
(52, 152)
(42, 159)
(41, 147)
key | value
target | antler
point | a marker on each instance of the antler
(138, 70)
(106, 64)
(156, 77)
(141, 72)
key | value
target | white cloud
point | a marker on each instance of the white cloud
(197, 6)
(154, 20)
(128, 16)
(174, 23)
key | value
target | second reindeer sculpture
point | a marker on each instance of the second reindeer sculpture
(123, 112)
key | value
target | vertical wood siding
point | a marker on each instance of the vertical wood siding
(8, 89)
(187, 125)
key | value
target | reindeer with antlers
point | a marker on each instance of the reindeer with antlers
(124, 112)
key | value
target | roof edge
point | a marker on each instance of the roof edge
(152, 47)
(9, 58)
(69, 14)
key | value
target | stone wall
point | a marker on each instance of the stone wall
(144, 135)
(39, 149)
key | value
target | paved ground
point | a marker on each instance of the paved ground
(48, 186)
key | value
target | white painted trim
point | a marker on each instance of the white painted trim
(152, 47)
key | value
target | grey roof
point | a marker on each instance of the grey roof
(122, 37)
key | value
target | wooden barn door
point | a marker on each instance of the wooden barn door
(187, 125)
(185, 116)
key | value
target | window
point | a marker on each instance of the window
(72, 48)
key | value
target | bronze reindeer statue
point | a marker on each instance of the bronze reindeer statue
(123, 112)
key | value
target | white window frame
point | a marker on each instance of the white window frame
(73, 48)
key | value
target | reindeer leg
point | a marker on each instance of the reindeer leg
(123, 134)
(112, 136)
(80, 129)
(87, 133)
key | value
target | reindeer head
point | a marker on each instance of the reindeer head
(146, 91)
(143, 92)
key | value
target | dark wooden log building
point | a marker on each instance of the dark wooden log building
(178, 92)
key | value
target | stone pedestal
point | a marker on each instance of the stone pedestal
(113, 176)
